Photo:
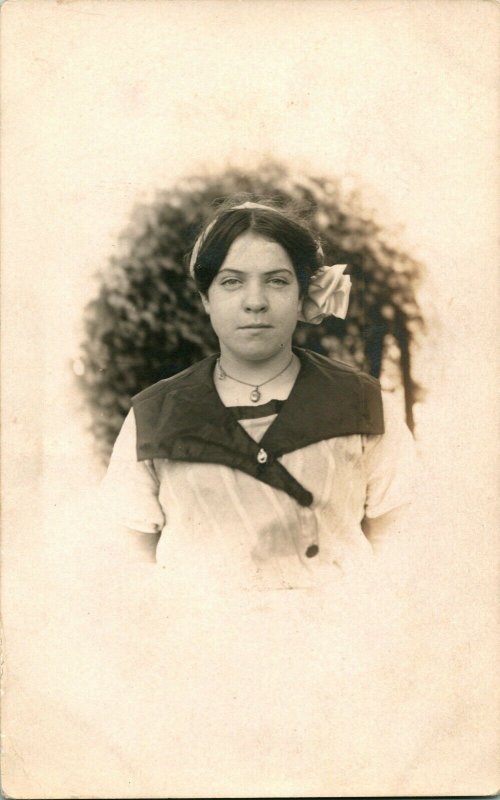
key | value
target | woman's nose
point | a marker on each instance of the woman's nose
(255, 299)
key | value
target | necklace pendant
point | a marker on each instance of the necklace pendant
(255, 395)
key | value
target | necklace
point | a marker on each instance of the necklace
(255, 395)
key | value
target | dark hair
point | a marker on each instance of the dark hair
(278, 225)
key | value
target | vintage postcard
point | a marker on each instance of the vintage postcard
(249, 398)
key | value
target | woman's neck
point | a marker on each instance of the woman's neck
(273, 383)
(255, 371)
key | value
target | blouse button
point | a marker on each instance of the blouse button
(262, 456)
(312, 550)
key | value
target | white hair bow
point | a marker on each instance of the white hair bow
(327, 295)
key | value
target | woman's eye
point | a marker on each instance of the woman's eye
(230, 282)
(279, 281)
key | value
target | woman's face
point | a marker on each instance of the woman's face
(253, 301)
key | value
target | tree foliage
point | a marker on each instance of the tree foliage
(146, 321)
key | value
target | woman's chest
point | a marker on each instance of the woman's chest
(328, 469)
(218, 514)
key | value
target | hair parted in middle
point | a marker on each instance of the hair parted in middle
(261, 217)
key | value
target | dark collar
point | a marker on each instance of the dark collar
(268, 409)
(183, 418)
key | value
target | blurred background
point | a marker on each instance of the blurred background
(388, 111)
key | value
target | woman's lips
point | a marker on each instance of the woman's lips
(254, 327)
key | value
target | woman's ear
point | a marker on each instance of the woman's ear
(206, 304)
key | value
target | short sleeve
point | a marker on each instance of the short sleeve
(130, 487)
(390, 464)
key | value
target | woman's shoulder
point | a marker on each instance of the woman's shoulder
(334, 390)
(341, 372)
(188, 378)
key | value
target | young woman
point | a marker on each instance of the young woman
(265, 466)
(258, 480)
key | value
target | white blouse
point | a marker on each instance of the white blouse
(220, 527)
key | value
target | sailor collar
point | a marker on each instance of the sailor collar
(183, 419)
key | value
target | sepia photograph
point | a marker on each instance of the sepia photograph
(249, 398)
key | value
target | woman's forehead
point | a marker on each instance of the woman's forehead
(250, 250)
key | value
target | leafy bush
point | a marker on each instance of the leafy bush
(147, 323)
